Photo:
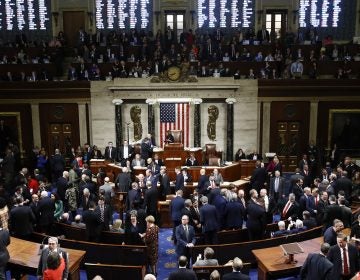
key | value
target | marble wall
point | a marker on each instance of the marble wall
(211, 91)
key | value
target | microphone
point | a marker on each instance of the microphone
(42, 244)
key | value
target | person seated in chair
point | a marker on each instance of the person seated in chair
(169, 138)
(208, 258)
(299, 226)
(191, 161)
(282, 230)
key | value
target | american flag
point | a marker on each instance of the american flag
(174, 116)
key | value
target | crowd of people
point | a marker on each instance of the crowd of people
(205, 54)
(46, 191)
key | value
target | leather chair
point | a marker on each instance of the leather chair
(210, 152)
(214, 161)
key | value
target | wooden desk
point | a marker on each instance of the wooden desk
(24, 257)
(271, 261)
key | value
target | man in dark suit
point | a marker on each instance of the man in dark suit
(290, 209)
(331, 233)
(234, 213)
(146, 149)
(321, 206)
(4, 254)
(179, 181)
(151, 200)
(93, 223)
(345, 258)
(344, 184)
(202, 183)
(123, 180)
(133, 195)
(53, 246)
(124, 153)
(317, 266)
(294, 179)
(298, 190)
(183, 273)
(345, 213)
(86, 198)
(277, 186)
(306, 173)
(164, 181)
(104, 213)
(269, 205)
(256, 219)
(236, 274)
(176, 206)
(332, 212)
(22, 219)
(185, 237)
(258, 177)
(209, 220)
(45, 210)
(263, 35)
(110, 152)
(57, 163)
(62, 185)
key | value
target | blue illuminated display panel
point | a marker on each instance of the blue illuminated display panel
(25, 15)
(329, 17)
(225, 13)
(123, 14)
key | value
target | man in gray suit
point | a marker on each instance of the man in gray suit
(53, 247)
(208, 258)
(277, 187)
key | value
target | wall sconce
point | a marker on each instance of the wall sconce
(192, 13)
(90, 16)
(157, 15)
(295, 13)
(56, 17)
(259, 13)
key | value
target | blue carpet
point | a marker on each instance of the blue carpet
(167, 257)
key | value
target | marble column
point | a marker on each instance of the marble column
(313, 120)
(266, 127)
(151, 116)
(197, 122)
(118, 122)
(82, 123)
(36, 124)
(230, 129)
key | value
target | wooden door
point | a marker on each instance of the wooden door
(73, 21)
(289, 131)
(60, 137)
(287, 146)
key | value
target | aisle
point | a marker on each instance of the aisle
(167, 257)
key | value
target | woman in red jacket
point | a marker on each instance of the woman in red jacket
(55, 267)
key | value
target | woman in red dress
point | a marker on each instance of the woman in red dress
(151, 239)
(55, 267)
